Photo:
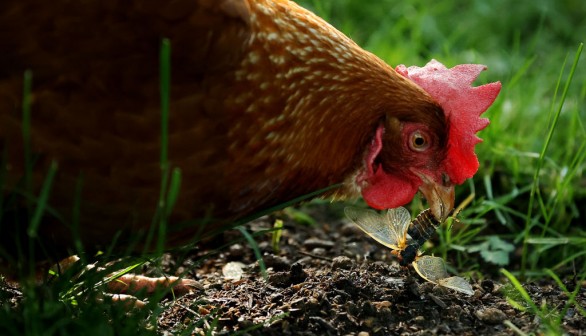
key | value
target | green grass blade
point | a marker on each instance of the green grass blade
(519, 288)
(535, 187)
(42, 201)
(571, 295)
(276, 235)
(161, 215)
(564, 262)
(173, 192)
(165, 92)
(159, 222)
(514, 328)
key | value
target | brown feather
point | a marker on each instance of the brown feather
(268, 102)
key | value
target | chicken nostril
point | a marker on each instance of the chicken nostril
(445, 179)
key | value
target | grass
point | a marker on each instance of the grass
(535, 188)
(550, 317)
(530, 191)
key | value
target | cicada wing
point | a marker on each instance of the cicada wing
(373, 225)
(431, 268)
(458, 284)
(399, 219)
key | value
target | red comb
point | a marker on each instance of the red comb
(463, 104)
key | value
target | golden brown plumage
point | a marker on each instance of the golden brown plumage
(268, 102)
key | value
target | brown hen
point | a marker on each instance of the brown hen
(268, 102)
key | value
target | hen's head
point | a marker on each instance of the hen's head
(430, 150)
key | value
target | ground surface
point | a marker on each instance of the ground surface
(333, 280)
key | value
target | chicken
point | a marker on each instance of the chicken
(268, 102)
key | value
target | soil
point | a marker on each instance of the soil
(332, 279)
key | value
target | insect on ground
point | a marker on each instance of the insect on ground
(395, 230)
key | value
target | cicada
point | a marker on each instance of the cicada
(395, 230)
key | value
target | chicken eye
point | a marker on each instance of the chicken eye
(418, 141)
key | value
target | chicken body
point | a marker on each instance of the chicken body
(268, 102)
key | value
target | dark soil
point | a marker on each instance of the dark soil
(332, 279)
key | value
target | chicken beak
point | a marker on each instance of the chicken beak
(440, 197)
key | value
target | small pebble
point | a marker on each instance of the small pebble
(312, 305)
(342, 262)
(324, 323)
(487, 285)
(278, 263)
(304, 260)
(363, 333)
(353, 249)
(297, 273)
(350, 230)
(279, 279)
(396, 282)
(264, 246)
(491, 315)
(419, 320)
(233, 270)
(313, 243)
(236, 251)
(369, 322)
(318, 251)
(382, 304)
(277, 297)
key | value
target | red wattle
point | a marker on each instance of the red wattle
(386, 191)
